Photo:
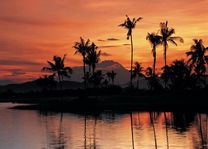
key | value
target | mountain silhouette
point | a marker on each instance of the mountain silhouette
(122, 76)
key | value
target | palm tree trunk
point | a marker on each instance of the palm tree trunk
(165, 53)
(132, 131)
(132, 59)
(84, 71)
(154, 63)
(60, 82)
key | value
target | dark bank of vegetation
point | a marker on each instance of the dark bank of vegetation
(179, 84)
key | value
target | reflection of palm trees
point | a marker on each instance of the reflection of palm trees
(154, 40)
(166, 35)
(57, 140)
(85, 131)
(153, 126)
(130, 25)
(58, 68)
(132, 130)
(166, 127)
(201, 131)
(82, 48)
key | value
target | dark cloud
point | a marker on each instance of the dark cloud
(17, 72)
(18, 62)
(105, 54)
(108, 39)
(101, 40)
(109, 46)
(113, 39)
(126, 44)
(30, 21)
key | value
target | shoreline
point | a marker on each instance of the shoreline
(115, 103)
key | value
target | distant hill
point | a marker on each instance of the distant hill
(32, 86)
(122, 76)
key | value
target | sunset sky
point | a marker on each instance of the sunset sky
(33, 31)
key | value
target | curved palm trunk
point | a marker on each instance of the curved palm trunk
(132, 131)
(165, 60)
(132, 50)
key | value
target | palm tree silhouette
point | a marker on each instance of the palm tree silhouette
(166, 35)
(137, 72)
(57, 67)
(130, 25)
(82, 48)
(198, 60)
(93, 57)
(154, 40)
(111, 76)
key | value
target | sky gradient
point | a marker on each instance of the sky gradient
(33, 31)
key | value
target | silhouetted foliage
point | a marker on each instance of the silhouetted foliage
(198, 59)
(153, 80)
(166, 35)
(111, 76)
(137, 72)
(93, 57)
(47, 82)
(97, 78)
(178, 74)
(154, 40)
(82, 48)
(57, 68)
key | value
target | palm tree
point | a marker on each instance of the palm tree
(137, 72)
(93, 57)
(154, 40)
(166, 35)
(82, 48)
(111, 76)
(57, 67)
(130, 25)
(198, 59)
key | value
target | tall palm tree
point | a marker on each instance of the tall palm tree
(154, 40)
(137, 72)
(57, 67)
(130, 25)
(198, 58)
(82, 48)
(93, 57)
(166, 35)
(111, 76)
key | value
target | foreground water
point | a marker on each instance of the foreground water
(27, 129)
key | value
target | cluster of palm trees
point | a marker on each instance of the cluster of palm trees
(179, 69)
(174, 74)
(90, 57)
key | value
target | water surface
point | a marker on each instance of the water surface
(30, 129)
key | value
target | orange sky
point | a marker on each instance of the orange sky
(33, 31)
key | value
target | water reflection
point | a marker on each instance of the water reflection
(107, 130)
